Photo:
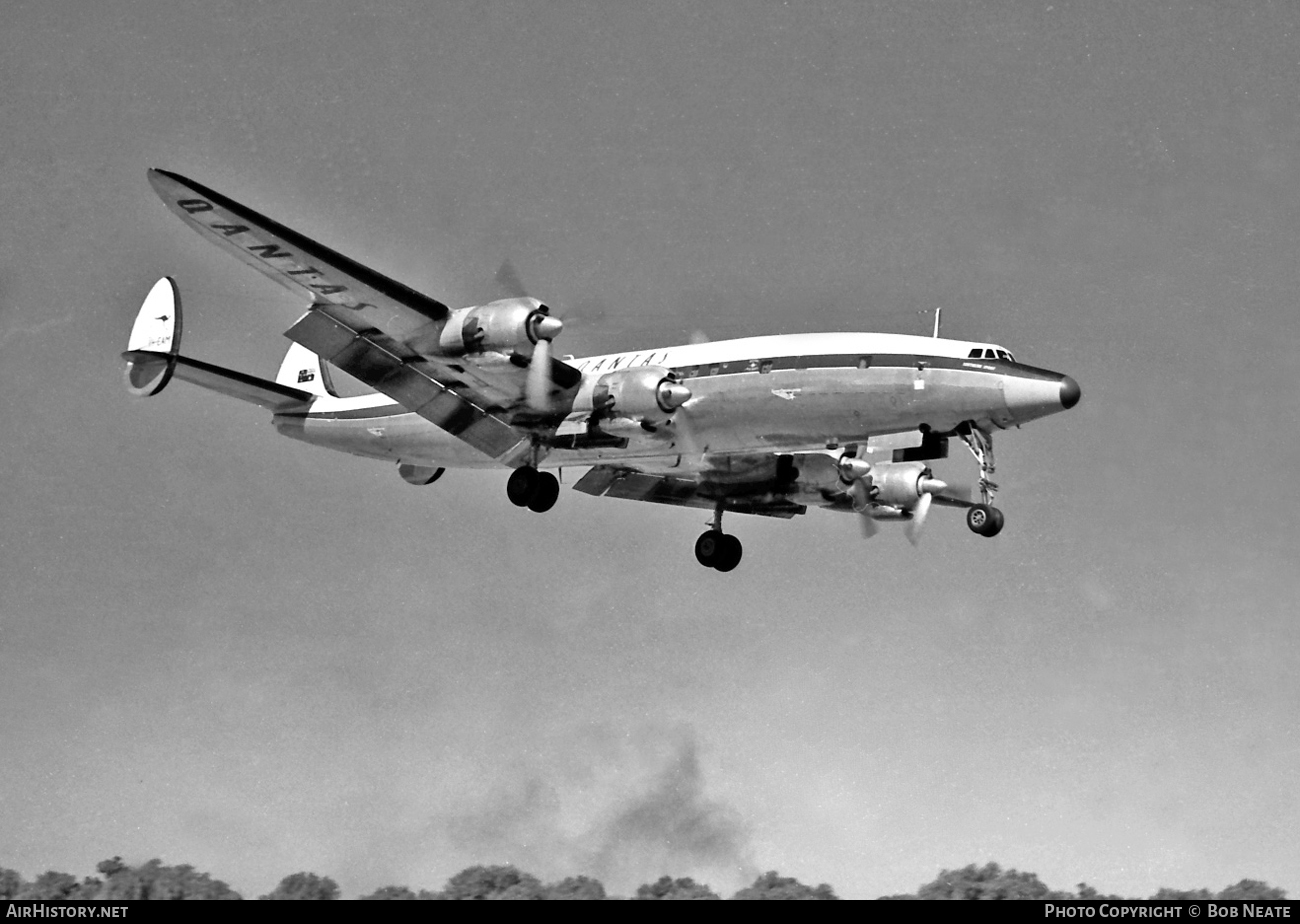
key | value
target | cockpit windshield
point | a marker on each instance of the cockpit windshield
(991, 353)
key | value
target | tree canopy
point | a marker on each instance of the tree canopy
(492, 883)
(153, 880)
(666, 888)
(304, 887)
(771, 886)
(986, 882)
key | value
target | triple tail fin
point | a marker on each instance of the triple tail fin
(303, 370)
(153, 359)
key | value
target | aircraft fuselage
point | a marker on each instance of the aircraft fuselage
(784, 393)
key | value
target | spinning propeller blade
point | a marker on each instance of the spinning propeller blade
(508, 280)
(917, 523)
(537, 388)
(869, 525)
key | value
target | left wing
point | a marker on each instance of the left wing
(372, 327)
(627, 483)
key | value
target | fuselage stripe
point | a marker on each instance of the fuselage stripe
(766, 365)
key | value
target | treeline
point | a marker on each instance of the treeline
(153, 880)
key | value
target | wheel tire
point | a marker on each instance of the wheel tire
(729, 554)
(522, 486)
(708, 547)
(546, 490)
(984, 520)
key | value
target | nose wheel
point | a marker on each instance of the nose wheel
(527, 487)
(984, 520)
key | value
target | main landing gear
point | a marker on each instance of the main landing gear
(983, 518)
(717, 550)
(527, 487)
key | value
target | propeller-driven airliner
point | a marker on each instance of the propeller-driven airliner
(767, 426)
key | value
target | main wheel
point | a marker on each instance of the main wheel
(522, 486)
(546, 489)
(728, 554)
(707, 547)
(984, 520)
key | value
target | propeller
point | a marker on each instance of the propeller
(686, 436)
(507, 278)
(917, 523)
(928, 487)
(537, 387)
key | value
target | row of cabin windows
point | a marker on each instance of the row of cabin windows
(988, 353)
(764, 366)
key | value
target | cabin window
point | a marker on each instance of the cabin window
(714, 369)
(1003, 354)
(751, 366)
(765, 366)
(977, 353)
(864, 362)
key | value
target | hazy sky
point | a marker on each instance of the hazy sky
(228, 649)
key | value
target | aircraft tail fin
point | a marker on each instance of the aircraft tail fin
(156, 335)
(153, 357)
(303, 370)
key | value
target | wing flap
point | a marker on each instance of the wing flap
(408, 378)
(614, 481)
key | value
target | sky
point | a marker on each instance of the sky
(232, 650)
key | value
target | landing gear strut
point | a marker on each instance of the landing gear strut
(527, 487)
(983, 518)
(717, 550)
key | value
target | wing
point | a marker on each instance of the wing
(735, 497)
(371, 326)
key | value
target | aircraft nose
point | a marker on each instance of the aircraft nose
(1070, 392)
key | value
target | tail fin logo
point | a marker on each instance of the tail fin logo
(306, 375)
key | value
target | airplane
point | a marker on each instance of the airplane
(766, 426)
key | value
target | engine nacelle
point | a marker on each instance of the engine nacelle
(898, 484)
(502, 326)
(648, 394)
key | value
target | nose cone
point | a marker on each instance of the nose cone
(1070, 392)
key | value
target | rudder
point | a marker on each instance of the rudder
(155, 341)
(302, 369)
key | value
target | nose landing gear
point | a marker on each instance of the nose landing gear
(983, 519)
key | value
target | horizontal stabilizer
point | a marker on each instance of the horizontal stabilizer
(153, 358)
(270, 395)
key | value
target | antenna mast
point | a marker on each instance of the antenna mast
(937, 312)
